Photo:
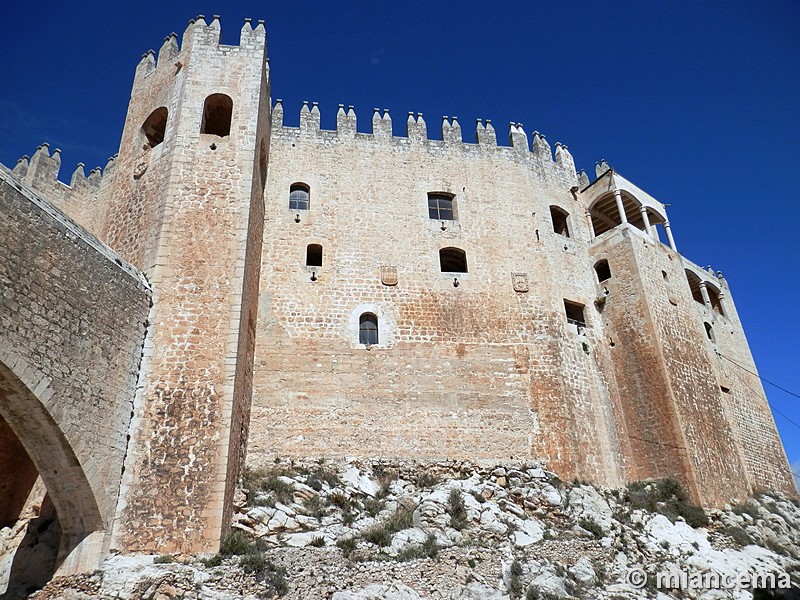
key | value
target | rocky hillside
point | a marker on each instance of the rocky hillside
(409, 530)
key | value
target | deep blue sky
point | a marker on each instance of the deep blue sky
(697, 103)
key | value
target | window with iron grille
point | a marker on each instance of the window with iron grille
(368, 329)
(440, 207)
(298, 196)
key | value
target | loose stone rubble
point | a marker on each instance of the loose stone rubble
(406, 530)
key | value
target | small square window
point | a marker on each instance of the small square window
(440, 207)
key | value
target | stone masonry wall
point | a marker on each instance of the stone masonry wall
(72, 324)
(477, 370)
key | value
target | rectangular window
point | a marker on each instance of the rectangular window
(574, 312)
(440, 207)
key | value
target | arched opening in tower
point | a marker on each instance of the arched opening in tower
(30, 532)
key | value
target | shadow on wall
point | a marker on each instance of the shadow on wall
(35, 559)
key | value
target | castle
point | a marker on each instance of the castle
(264, 290)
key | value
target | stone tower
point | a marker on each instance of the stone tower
(187, 209)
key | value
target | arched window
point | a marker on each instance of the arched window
(154, 126)
(313, 255)
(452, 260)
(368, 329)
(710, 332)
(441, 207)
(217, 113)
(559, 218)
(299, 196)
(694, 285)
(603, 270)
(716, 302)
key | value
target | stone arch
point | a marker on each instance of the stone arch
(27, 409)
(155, 126)
(605, 216)
(217, 115)
(694, 286)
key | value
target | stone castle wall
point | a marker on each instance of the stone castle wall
(489, 368)
(72, 325)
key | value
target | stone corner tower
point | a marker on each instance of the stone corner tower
(187, 209)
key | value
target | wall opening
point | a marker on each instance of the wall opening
(217, 114)
(694, 286)
(710, 331)
(155, 126)
(441, 206)
(575, 314)
(368, 329)
(716, 302)
(299, 196)
(603, 270)
(452, 260)
(559, 217)
(30, 557)
(314, 255)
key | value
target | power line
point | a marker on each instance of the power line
(764, 379)
(792, 471)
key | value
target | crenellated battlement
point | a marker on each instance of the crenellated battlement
(200, 35)
(536, 148)
(41, 171)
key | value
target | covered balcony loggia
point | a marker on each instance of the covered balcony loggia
(611, 200)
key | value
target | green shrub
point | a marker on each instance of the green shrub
(738, 535)
(515, 579)
(236, 543)
(456, 509)
(427, 480)
(372, 506)
(266, 480)
(315, 507)
(668, 497)
(317, 542)
(212, 561)
(164, 559)
(264, 570)
(592, 527)
(428, 549)
(746, 508)
(381, 534)
(346, 545)
(341, 501)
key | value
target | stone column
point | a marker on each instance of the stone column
(704, 294)
(591, 225)
(669, 236)
(647, 227)
(620, 208)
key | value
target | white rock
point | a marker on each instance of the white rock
(405, 539)
(260, 514)
(389, 591)
(479, 591)
(583, 572)
(551, 495)
(282, 522)
(301, 540)
(491, 522)
(586, 503)
(529, 532)
(362, 483)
